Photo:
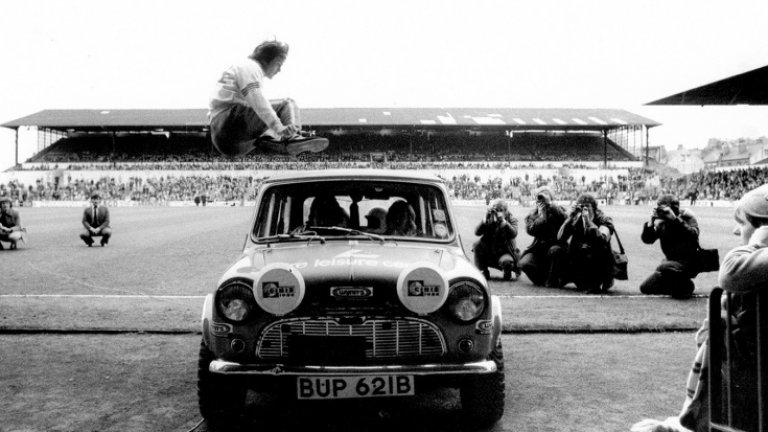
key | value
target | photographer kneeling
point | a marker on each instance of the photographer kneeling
(678, 232)
(497, 247)
(583, 255)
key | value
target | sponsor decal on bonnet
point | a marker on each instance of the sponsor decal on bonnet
(417, 288)
(274, 290)
(351, 291)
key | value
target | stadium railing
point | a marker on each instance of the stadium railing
(737, 403)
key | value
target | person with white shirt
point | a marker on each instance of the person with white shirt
(242, 119)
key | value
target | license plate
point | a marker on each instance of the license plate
(347, 387)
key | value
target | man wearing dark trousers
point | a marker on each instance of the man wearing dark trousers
(96, 222)
(584, 255)
(243, 119)
(497, 247)
(678, 232)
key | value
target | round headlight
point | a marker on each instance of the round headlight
(466, 301)
(235, 301)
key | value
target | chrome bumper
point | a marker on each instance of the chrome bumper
(231, 368)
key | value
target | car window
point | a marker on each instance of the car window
(333, 208)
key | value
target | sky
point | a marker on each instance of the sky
(102, 54)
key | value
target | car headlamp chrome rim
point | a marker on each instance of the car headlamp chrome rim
(279, 288)
(466, 301)
(422, 288)
(235, 301)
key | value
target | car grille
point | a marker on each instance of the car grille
(328, 340)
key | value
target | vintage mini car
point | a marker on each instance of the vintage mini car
(351, 284)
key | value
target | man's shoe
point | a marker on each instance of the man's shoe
(294, 146)
(13, 245)
(607, 285)
(103, 243)
(298, 145)
(554, 283)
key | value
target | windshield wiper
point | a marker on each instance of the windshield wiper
(305, 235)
(350, 231)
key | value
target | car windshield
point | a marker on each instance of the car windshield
(362, 209)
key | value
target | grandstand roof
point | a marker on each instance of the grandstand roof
(196, 119)
(748, 88)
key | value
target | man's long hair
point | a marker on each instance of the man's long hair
(268, 51)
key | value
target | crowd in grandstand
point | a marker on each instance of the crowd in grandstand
(122, 151)
(722, 185)
(136, 189)
(636, 187)
(516, 160)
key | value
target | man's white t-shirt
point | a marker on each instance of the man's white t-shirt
(241, 84)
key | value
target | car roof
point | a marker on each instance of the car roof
(353, 174)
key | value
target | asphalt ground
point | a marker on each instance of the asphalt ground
(106, 338)
(140, 382)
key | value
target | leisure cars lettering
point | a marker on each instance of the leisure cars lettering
(338, 262)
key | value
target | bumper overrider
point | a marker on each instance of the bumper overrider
(437, 369)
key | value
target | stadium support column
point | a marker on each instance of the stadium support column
(605, 148)
(646, 146)
(16, 141)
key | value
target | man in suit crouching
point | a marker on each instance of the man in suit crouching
(96, 222)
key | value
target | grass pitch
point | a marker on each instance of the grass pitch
(163, 260)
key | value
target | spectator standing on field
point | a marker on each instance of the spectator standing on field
(542, 223)
(96, 222)
(678, 233)
(242, 119)
(497, 246)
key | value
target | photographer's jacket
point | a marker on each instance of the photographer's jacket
(679, 237)
(544, 229)
(499, 236)
(591, 237)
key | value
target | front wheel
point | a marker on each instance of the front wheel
(482, 396)
(221, 398)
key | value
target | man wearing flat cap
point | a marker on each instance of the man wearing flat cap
(96, 222)
(543, 224)
(678, 233)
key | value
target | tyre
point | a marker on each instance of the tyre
(482, 396)
(221, 398)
